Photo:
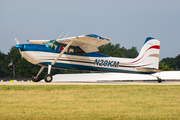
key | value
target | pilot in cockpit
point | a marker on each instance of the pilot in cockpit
(61, 48)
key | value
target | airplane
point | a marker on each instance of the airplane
(80, 53)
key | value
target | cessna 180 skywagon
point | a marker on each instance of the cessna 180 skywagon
(80, 53)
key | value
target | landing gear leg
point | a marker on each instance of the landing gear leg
(35, 78)
(158, 78)
(48, 77)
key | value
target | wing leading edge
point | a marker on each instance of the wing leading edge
(37, 41)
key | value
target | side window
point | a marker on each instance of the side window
(70, 50)
(79, 52)
(55, 44)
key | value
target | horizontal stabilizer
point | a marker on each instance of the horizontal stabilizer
(148, 70)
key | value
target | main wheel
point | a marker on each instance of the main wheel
(159, 80)
(48, 78)
(35, 79)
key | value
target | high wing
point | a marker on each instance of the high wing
(88, 43)
(37, 41)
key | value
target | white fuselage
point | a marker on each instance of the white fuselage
(67, 61)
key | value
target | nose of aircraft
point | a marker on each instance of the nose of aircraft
(19, 46)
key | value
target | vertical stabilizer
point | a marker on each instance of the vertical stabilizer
(149, 54)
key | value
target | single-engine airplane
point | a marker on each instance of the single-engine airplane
(80, 53)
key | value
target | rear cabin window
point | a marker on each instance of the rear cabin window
(79, 52)
(70, 50)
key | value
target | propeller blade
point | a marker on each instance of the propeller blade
(18, 47)
(17, 42)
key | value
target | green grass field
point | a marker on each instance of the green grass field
(107, 102)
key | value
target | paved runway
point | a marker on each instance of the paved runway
(92, 83)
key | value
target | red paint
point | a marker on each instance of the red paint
(152, 47)
(61, 48)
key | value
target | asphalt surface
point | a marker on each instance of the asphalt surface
(92, 83)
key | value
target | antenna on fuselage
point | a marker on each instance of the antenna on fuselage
(60, 35)
(66, 34)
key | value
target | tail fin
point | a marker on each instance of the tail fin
(149, 54)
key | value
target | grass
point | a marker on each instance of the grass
(107, 102)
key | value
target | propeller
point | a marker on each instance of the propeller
(17, 42)
(19, 46)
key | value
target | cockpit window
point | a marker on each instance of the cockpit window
(53, 44)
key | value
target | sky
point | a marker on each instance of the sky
(126, 22)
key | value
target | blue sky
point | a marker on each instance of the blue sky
(127, 22)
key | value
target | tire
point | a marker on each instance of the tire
(35, 79)
(48, 78)
(159, 80)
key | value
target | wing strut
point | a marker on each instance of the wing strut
(62, 52)
(48, 77)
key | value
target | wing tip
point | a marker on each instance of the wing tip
(97, 36)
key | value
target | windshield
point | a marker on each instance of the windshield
(53, 44)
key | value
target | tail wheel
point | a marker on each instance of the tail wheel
(35, 79)
(48, 78)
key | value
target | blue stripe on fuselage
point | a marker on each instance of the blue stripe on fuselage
(37, 47)
(90, 68)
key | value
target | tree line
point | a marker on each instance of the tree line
(25, 69)
(170, 63)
